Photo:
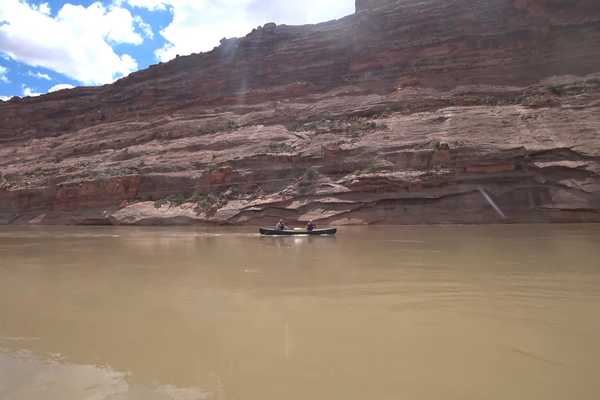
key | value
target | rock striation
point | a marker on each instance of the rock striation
(413, 111)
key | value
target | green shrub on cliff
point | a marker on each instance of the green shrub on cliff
(371, 168)
(308, 180)
(160, 202)
(212, 167)
(556, 90)
(280, 148)
(3, 181)
(310, 175)
(203, 201)
(437, 145)
(171, 200)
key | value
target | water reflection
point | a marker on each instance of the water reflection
(295, 241)
(25, 376)
(422, 313)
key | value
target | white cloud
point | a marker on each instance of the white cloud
(60, 86)
(3, 72)
(30, 92)
(76, 42)
(151, 5)
(144, 27)
(199, 25)
(5, 98)
(44, 8)
(39, 75)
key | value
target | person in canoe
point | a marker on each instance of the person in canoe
(311, 226)
(281, 226)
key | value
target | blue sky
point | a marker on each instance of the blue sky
(46, 45)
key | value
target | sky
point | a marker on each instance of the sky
(48, 45)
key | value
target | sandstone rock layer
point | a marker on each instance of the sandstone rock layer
(406, 112)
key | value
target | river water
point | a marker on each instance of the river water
(438, 312)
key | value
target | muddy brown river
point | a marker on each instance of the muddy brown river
(439, 312)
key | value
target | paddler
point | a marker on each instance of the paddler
(280, 225)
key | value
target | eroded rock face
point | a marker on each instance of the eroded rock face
(406, 112)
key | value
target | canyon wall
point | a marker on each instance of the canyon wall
(406, 112)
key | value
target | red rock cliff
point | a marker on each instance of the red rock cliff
(400, 113)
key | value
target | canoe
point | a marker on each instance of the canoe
(292, 232)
